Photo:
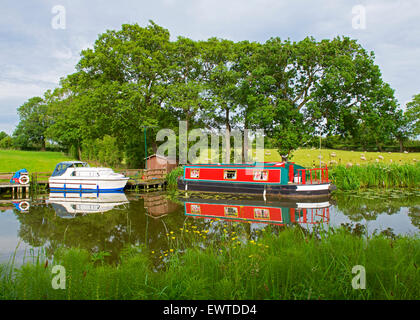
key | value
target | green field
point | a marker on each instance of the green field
(38, 161)
(33, 161)
(307, 157)
(310, 157)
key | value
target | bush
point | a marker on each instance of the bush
(172, 177)
(6, 143)
(104, 150)
(376, 176)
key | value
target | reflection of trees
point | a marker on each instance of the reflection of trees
(110, 231)
(117, 228)
(369, 207)
(414, 214)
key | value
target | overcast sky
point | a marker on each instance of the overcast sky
(35, 50)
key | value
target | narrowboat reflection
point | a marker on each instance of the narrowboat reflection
(254, 211)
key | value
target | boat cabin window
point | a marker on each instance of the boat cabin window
(231, 212)
(195, 208)
(86, 207)
(60, 169)
(195, 173)
(229, 174)
(79, 165)
(106, 172)
(261, 213)
(84, 174)
(260, 175)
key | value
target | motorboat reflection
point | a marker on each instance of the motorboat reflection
(255, 211)
(70, 205)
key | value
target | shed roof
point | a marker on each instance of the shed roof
(162, 157)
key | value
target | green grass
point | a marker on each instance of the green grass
(37, 161)
(33, 161)
(309, 157)
(376, 176)
(287, 265)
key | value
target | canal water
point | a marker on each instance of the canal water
(108, 223)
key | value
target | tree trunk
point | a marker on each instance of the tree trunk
(245, 142)
(379, 146)
(227, 137)
(401, 145)
(43, 145)
(245, 147)
(154, 146)
(79, 152)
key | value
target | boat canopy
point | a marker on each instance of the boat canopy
(62, 167)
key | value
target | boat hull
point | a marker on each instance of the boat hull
(274, 190)
(85, 185)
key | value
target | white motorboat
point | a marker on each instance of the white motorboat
(69, 205)
(77, 176)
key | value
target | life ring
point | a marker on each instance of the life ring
(24, 179)
(24, 205)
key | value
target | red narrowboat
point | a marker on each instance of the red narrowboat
(279, 213)
(277, 179)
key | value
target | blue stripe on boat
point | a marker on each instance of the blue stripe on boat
(78, 190)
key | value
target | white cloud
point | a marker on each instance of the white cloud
(33, 56)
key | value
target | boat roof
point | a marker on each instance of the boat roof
(268, 165)
(71, 162)
(260, 164)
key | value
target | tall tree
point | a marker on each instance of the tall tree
(120, 87)
(413, 115)
(33, 123)
(326, 87)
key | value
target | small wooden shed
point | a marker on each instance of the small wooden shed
(156, 161)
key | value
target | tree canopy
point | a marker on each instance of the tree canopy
(137, 77)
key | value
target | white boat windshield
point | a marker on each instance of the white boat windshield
(62, 167)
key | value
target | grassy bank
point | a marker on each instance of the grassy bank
(403, 172)
(33, 161)
(287, 265)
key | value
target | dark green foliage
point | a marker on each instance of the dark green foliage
(137, 77)
(105, 150)
(172, 177)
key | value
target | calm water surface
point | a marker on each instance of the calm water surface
(111, 222)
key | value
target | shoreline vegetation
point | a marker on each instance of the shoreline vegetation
(403, 172)
(279, 264)
(384, 176)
